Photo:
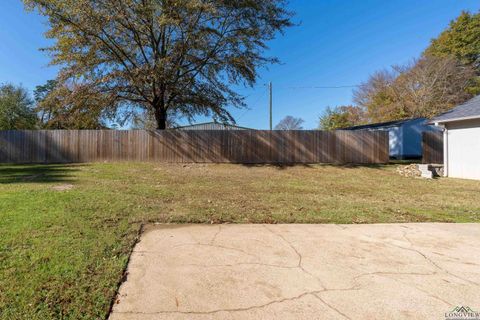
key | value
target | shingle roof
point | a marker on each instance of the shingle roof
(382, 124)
(467, 110)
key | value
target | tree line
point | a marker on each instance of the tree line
(445, 75)
(19, 111)
(152, 62)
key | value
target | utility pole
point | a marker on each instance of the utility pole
(271, 103)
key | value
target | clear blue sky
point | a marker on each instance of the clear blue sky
(338, 42)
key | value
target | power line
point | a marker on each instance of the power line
(261, 95)
(268, 86)
(323, 87)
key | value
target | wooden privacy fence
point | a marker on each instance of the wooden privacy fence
(236, 146)
(432, 144)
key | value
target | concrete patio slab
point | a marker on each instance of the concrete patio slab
(382, 271)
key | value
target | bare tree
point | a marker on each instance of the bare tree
(424, 87)
(375, 96)
(290, 123)
(432, 85)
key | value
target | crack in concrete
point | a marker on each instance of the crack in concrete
(358, 285)
(313, 293)
(225, 310)
(212, 241)
(433, 263)
(404, 234)
(331, 307)
(289, 244)
(389, 274)
(300, 257)
(424, 291)
(380, 273)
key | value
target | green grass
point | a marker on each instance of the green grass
(63, 252)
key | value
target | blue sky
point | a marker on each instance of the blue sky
(337, 43)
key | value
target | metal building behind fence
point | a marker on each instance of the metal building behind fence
(212, 126)
(405, 136)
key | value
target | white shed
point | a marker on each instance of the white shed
(461, 139)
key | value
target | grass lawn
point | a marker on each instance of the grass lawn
(66, 230)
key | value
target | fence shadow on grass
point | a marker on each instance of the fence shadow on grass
(279, 166)
(10, 174)
(346, 166)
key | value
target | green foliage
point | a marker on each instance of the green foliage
(45, 106)
(341, 117)
(16, 108)
(41, 92)
(461, 40)
(173, 55)
(70, 106)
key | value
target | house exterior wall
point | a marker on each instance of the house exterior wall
(463, 151)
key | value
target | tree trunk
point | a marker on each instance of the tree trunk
(160, 116)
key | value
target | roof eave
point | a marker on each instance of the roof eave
(383, 125)
(455, 119)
